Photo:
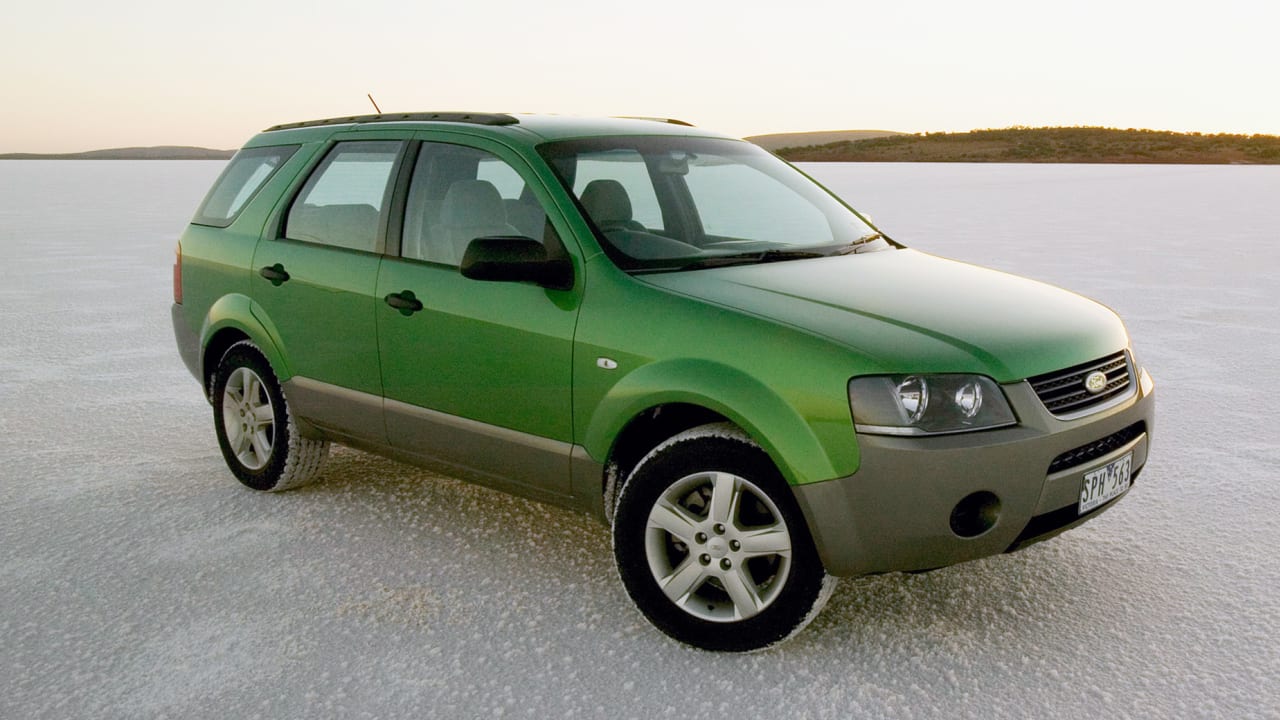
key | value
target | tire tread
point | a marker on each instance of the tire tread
(303, 457)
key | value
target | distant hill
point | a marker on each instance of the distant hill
(1008, 145)
(160, 152)
(1048, 145)
(776, 141)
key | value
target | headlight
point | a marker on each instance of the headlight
(927, 404)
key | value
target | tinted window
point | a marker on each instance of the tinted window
(458, 194)
(248, 171)
(343, 201)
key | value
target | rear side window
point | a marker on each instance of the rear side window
(244, 175)
(344, 199)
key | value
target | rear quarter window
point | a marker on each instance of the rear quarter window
(244, 175)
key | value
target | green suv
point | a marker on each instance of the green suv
(670, 329)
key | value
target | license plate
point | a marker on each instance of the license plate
(1105, 483)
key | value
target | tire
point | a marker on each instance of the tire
(711, 546)
(256, 430)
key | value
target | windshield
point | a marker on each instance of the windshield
(668, 203)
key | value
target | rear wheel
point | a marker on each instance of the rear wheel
(711, 547)
(256, 430)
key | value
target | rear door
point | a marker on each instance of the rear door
(315, 281)
(480, 376)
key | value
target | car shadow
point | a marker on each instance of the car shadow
(524, 552)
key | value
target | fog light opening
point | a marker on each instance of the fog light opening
(975, 514)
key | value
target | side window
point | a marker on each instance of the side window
(616, 191)
(458, 194)
(344, 198)
(248, 171)
(504, 178)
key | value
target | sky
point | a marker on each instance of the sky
(78, 75)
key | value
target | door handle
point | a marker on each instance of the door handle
(405, 302)
(275, 273)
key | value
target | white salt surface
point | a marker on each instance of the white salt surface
(139, 580)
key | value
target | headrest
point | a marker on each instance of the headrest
(472, 202)
(606, 202)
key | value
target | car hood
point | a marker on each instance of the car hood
(907, 311)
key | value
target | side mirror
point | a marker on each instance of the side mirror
(515, 259)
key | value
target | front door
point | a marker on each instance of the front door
(480, 376)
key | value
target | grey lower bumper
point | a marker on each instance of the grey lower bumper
(187, 339)
(895, 513)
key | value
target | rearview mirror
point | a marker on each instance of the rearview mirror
(515, 259)
(675, 163)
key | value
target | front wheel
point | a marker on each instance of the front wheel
(256, 431)
(711, 547)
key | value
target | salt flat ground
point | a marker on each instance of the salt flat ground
(138, 579)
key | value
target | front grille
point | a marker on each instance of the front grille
(1063, 392)
(1097, 448)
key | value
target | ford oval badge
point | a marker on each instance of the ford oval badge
(1095, 382)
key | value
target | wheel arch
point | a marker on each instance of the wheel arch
(641, 434)
(659, 400)
(231, 319)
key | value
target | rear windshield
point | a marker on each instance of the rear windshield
(248, 171)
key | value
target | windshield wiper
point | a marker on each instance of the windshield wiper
(860, 244)
(751, 258)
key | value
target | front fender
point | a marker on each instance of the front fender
(808, 444)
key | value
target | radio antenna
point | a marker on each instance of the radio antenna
(375, 103)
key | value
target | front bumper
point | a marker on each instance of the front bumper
(895, 513)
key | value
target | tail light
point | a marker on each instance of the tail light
(177, 275)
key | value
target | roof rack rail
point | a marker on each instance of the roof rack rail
(669, 121)
(459, 117)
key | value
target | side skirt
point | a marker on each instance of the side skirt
(518, 463)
